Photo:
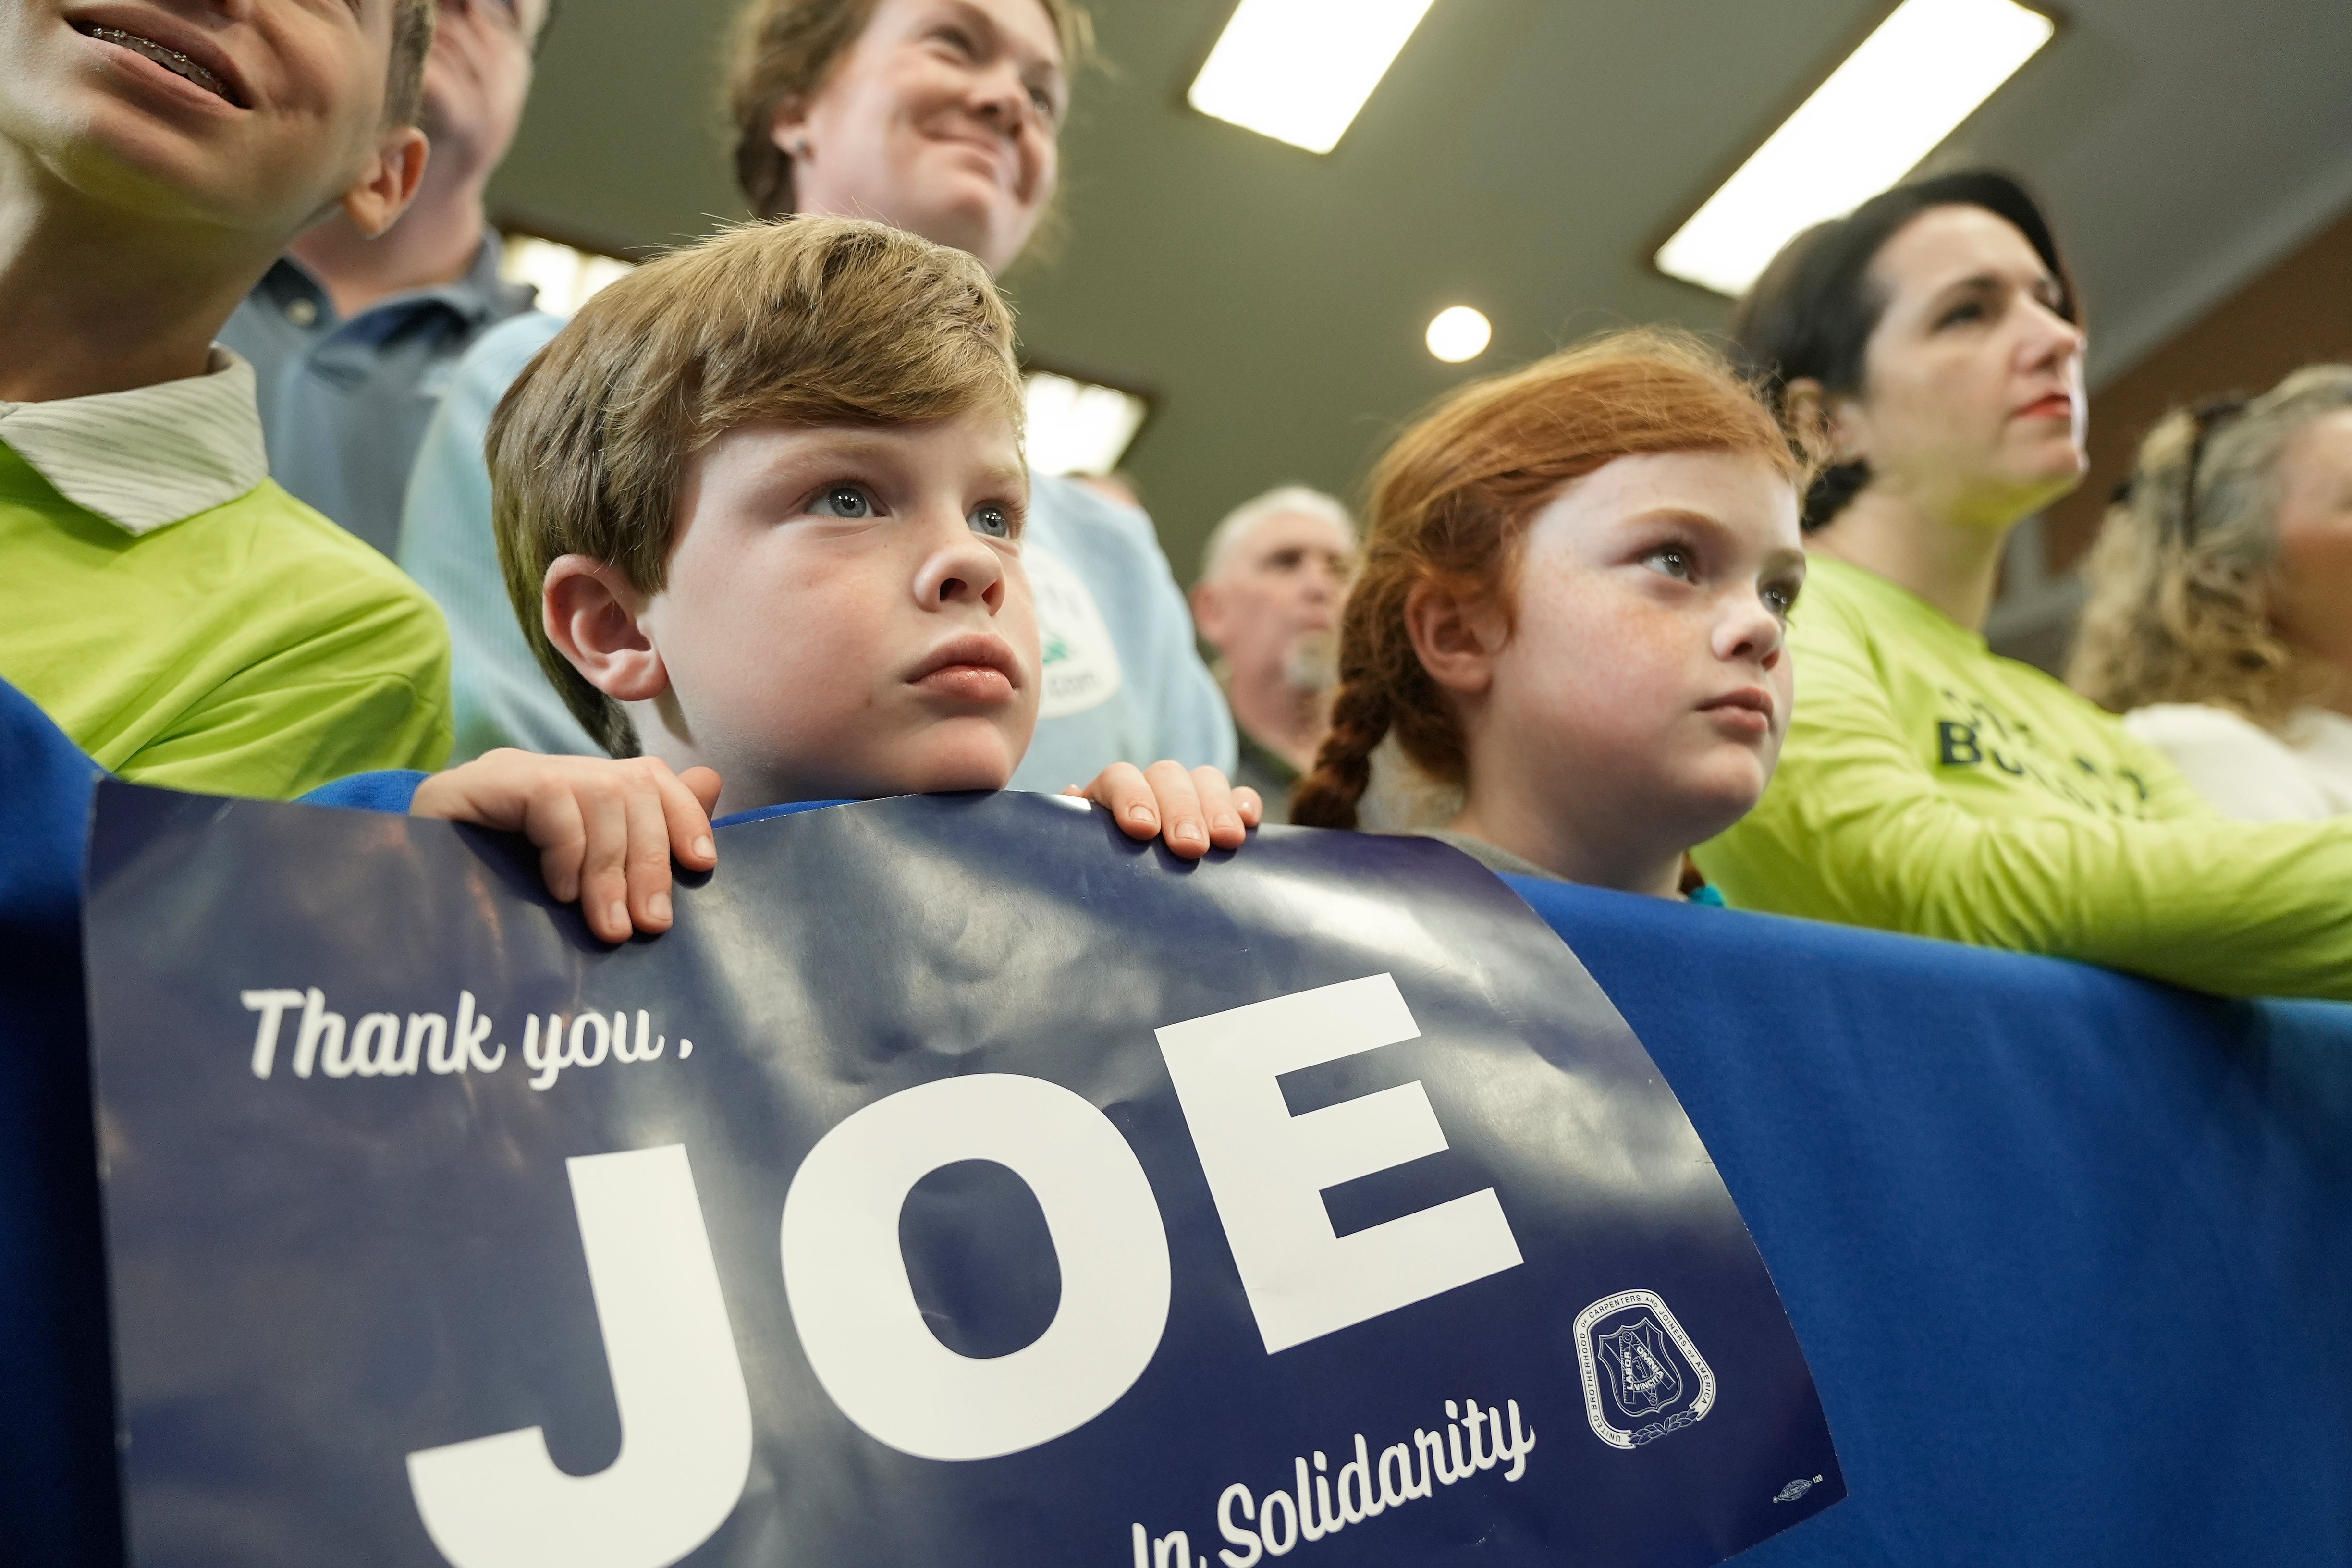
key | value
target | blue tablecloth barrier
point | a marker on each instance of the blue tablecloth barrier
(56, 1392)
(2071, 1254)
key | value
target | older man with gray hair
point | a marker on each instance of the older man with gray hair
(1271, 579)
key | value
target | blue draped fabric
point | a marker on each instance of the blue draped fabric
(2069, 1252)
(56, 1392)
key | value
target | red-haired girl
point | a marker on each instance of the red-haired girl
(1573, 607)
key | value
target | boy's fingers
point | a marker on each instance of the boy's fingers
(484, 792)
(687, 813)
(703, 784)
(552, 822)
(648, 858)
(1251, 805)
(1226, 829)
(603, 862)
(1182, 825)
(1121, 789)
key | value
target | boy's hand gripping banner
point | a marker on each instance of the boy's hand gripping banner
(957, 1183)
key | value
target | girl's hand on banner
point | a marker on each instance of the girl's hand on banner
(606, 828)
(1193, 812)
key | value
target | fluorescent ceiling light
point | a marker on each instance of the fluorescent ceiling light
(564, 277)
(1079, 427)
(1459, 333)
(1890, 104)
(1298, 70)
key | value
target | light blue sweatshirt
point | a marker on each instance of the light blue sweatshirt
(1123, 681)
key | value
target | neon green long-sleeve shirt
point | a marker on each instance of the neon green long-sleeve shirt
(1928, 786)
(252, 649)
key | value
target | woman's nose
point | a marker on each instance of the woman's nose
(1002, 98)
(2053, 336)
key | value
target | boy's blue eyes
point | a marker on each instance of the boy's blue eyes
(854, 502)
(843, 500)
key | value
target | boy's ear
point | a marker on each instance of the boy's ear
(591, 615)
(389, 182)
(1454, 643)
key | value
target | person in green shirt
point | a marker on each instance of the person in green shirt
(185, 620)
(1930, 342)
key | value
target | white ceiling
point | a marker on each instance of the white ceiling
(1523, 156)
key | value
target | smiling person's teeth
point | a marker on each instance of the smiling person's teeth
(169, 59)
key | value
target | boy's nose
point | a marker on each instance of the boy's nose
(964, 571)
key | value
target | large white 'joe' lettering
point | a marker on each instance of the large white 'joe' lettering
(1267, 1169)
(855, 1307)
(686, 1418)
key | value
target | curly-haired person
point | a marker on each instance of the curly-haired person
(2221, 616)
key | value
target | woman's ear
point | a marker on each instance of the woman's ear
(389, 182)
(787, 128)
(592, 616)
(1457, 644)
(1828, 427)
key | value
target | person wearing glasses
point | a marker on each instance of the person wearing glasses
(2220, 623)
(351, 339)
(1930, 346)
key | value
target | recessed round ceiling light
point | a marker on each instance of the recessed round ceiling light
(1458, 332)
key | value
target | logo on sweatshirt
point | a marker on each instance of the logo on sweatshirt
(1642, 1376)
(1080, 664)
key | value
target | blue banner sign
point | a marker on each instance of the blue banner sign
(957, 1183)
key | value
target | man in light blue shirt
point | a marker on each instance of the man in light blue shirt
(352, 339)
(827, 131)
(1123, 681)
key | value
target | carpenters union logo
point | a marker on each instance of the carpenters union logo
(1642, 1376)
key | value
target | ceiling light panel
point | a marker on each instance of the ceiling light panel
(1079, 427)
(1927, 68)
(566, 278)
(1298, 70)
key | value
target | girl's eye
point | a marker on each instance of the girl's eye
(1779, 598)
(990, 519)
(1673, 561)
(1973, 310)
(955, 38)
(843, 500)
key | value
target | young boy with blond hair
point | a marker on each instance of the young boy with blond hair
(182, 617)
(759, 509)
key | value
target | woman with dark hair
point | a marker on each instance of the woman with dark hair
(942, 117)
(1930, 346)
